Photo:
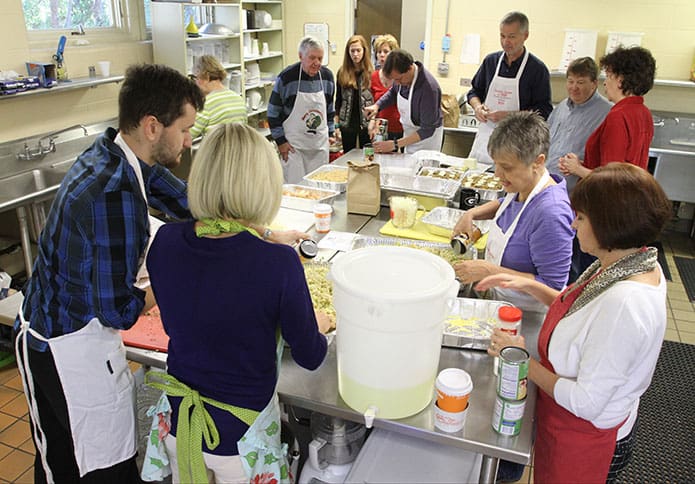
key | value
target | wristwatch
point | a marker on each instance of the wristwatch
(267, 233)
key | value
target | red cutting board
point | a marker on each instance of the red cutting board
(147, 332)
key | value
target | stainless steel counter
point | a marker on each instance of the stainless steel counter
(318, 390)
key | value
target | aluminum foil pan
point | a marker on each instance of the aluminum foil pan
(442, 220)
(325, 177)
(299, 197)
(469, 323)
(420, 185)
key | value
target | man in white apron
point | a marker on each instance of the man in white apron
(531, 227)
(83, 291)
(418, 97)
(301, 112)
(508, 81)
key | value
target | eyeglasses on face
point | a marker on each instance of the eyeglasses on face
(192, 77)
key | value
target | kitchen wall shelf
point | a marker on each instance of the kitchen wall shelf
(73, 84)
(235, 51)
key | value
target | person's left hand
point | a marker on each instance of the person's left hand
(370, 111)
(468, 271)
(288, 237)
(569, 163)
(500, 339)
(496, 116)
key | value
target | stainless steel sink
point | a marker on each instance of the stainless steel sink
(28, 187)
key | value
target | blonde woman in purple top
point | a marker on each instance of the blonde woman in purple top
(531, 232)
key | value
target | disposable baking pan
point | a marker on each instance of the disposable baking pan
(295, 197)
(327, 185)
(469, 322)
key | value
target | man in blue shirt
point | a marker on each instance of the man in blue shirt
(83, 289)
(510, 80)
(577, 116)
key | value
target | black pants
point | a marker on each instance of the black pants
(53, 413)
(350, 137)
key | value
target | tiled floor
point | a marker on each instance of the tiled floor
(17, 448)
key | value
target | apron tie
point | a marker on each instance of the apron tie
(194, 424)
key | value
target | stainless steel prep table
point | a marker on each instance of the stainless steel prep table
(318, 390)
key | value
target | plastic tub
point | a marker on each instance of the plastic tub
(390, 304)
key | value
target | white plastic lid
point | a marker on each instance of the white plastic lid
(398, 274)
(454, 381)
(322, 208)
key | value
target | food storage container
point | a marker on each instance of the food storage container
(403, 211)
(469, 322)
(328, 177)
(300, 197)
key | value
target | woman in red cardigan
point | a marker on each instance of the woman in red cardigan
(627, 131)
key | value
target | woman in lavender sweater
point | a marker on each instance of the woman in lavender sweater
(531, 232)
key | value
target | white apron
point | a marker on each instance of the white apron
(96, 381)
(497, 241)
(502, 95)
(306, 129)
(405, 109)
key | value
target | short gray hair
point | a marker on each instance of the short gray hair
(235, 174)
(513, 17)
(309, 43)
(523, 134)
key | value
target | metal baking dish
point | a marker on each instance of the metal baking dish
(430, 192)
(441, 173)
(328, 185)
(291, 197)
(442, 220)
(469, 322)
(486, 193)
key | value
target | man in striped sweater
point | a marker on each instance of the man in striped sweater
(301, 112)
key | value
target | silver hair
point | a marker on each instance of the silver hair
(513, 17)
(309, 43)
(523, 134)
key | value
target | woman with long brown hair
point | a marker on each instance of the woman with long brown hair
(353, 94)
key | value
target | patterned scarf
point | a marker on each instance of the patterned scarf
(217, 226)
(644, 260)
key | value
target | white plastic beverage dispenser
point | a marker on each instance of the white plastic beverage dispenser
(390, 304)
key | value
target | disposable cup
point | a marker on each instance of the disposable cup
(322, 217)
(104, 68)
(449, 421)
(454, 386)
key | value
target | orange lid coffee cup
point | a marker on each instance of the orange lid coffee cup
(454, 386)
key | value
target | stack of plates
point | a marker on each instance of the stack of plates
(253, 74)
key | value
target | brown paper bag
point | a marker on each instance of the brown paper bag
(363, 188)
(450, 111)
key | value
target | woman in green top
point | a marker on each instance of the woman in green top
(222, 105)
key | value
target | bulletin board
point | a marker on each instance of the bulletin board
(320, 31)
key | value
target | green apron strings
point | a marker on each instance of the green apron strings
(190, 431)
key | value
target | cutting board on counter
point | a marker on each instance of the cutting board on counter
(419, 231)
(147, 332)
(289, 219)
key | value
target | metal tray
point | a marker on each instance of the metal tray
(442, 220)
(328, 185)
(420, 185)
(302, 203)
(485, 193)
(469, 322)
(441, 173)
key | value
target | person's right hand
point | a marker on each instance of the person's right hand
(285, 149)
(370, 111)
(481, 112)
(324, 322)
(464, 225)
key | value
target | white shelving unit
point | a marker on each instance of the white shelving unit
(235, 51)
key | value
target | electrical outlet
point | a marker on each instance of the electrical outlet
(443, 69)
(465, 82)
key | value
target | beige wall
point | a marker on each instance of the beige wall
(332, 12)
(28, 115)
(667, 24)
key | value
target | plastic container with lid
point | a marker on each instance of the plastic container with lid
(322, 217)
(509, 321)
